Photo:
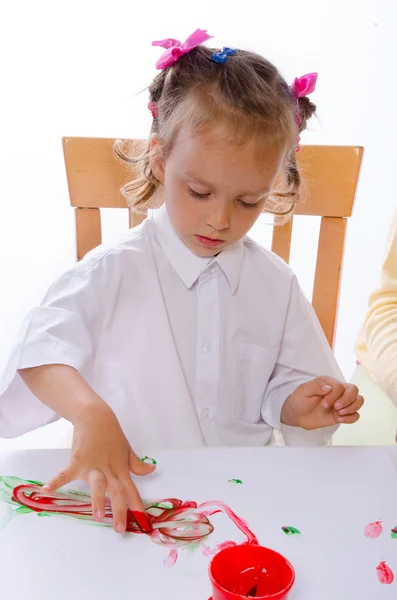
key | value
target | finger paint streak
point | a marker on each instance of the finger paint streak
(384, 573)
(394, 533)
(373, 530)
(235, 481)
(291, 531)
(175, 523)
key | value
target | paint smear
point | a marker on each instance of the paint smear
(149, 460)
(291, 531)
(176, 524)
(235, 481)
(172, 557)
(394, 533)
(207, 551)
(373, 530)
(384, 573)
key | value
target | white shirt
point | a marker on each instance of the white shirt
(188, 351)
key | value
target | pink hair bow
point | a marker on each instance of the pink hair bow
(305, 85)
(174, 49)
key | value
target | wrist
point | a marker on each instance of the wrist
(92, 408)
(288, 416)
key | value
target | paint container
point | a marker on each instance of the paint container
(250, 571)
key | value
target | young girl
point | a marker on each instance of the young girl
(186, 333)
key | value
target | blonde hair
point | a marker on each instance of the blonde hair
(247, 94)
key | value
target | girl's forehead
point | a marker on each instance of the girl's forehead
(211, 153)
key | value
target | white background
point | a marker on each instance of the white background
(75, 69)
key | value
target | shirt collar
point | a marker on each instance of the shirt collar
(188, 265)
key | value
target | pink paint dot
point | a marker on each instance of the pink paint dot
(384, 573)
(373, 530)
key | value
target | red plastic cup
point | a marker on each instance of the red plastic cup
(250, 571)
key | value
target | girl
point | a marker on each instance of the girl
(186, 333)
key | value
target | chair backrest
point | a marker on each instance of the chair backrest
(331, 173)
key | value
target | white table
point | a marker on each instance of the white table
(330, 494)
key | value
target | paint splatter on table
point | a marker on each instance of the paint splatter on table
(288, 530)
(373, 530)
(384, 573)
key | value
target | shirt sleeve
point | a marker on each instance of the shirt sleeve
(59, 331)
(304, 355)
(380, 327)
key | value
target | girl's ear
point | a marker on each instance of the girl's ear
(156, 159)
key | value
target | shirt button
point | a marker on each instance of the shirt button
(212, 270)
(207, 348)
(205, 413)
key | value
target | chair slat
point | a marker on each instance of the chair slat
(328, 273)
(281, 241)
(88, 230)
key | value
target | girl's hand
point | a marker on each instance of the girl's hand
(102, 456)
(321, 403)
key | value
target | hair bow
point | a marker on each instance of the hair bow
(305, 85)
(174, 49)
(302, 87)
(221, 57)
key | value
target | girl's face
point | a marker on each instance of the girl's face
(214, 191)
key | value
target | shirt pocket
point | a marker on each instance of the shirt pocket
(255, 366)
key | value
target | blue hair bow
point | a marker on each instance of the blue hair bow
(221, 57)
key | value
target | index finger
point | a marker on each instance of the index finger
(64, 477)
(136, 505)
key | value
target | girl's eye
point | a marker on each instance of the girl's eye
(196, 194)
(247, 204)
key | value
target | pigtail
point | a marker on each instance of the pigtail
(306, 109)
(140, 191)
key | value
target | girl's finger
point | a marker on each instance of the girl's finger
(349, 419)
(349, 396)
(97, 482)
(353, 407)
(64, 477)
(119, 503)
(138, 467)
(337, 391)
(136, 505)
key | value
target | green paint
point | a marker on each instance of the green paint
(291, 531)
(165, 505)
(394, 533)
(235, 481)
(148, 460)
(23, 510)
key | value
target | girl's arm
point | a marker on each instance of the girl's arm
(101, 454)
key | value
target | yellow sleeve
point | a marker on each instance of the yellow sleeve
(380, 327)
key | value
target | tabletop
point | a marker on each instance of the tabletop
(330, 495)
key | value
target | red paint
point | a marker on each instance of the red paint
(143, 521)
(240, 523)
(237, 571)
(208, 242)
(373, 530)
(384, 573)
(170, 522)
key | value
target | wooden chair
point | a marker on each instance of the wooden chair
(331, 174)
